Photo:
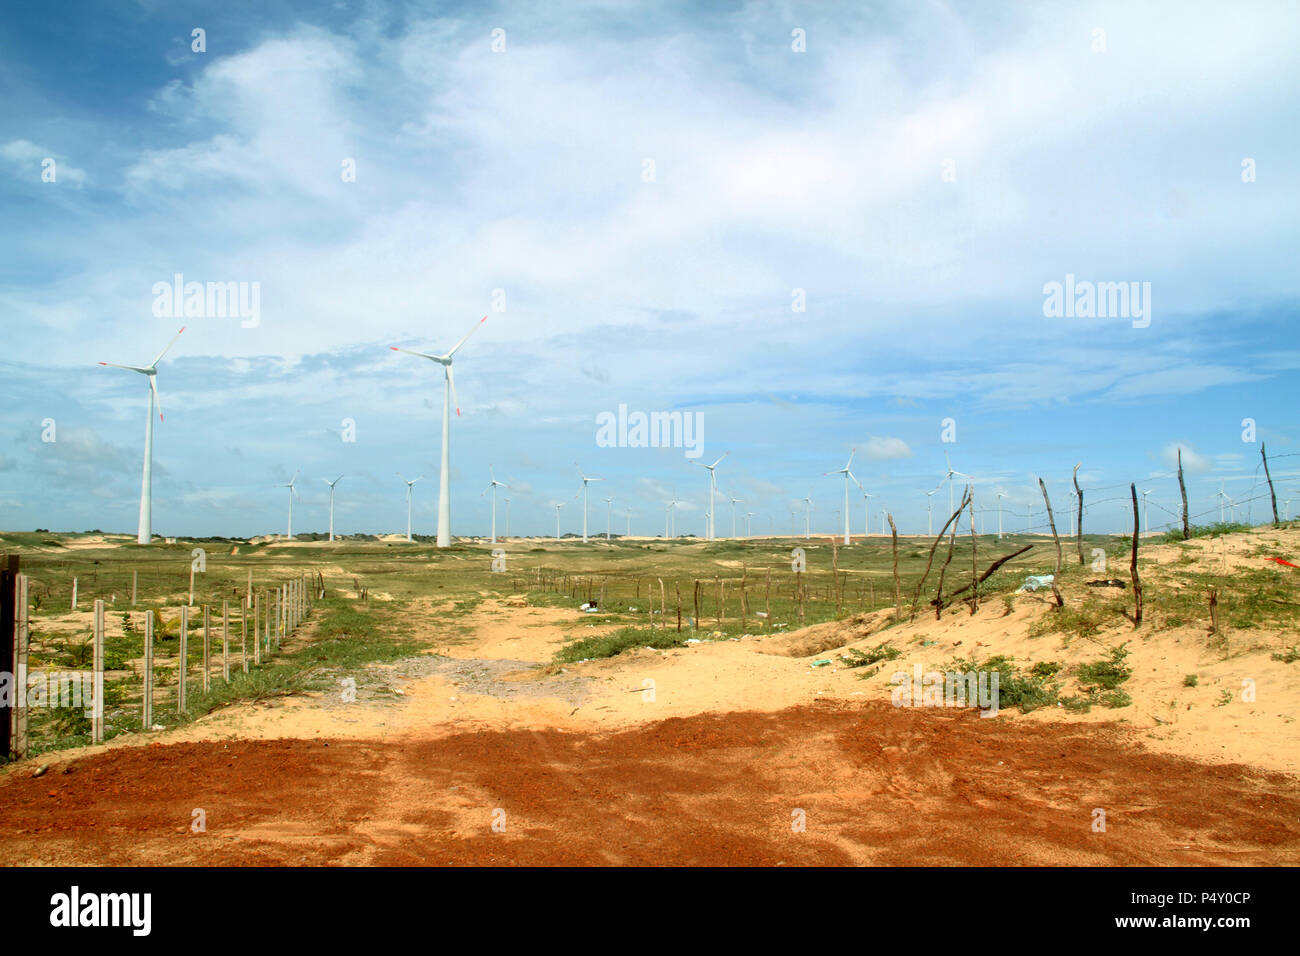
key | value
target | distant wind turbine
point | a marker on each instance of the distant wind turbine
(713, 489)
(492, 487)
(807, 517)
(558, 506)
(409, 485)
(585, 482)
(609, 510)
(866, 511)
(951, 473)
(733, 513)
(847, 475)
(292, 494)
(448, 399)
(507, 517)
(1001, 495)
(144, 533)
(929, 512)
(749, 532)
(332, 484)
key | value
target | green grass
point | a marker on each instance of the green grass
(1218, 528)
(608, 645)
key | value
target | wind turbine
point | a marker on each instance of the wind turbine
(492, 487)
(507, 517)
(1146, 512)
(332, 484)
(713, 489)
(144, 533)
(1001, 495)
(585, 481)
(847, 475)
(292, 494)
(807, 518)
(749, 533)
(866, 509)
(558, 506)
(448, 399)
(408, 504)
(609, 510)
(629, 521)
(1221, 496)
(929, 512)
(733, 513)
(951, 504)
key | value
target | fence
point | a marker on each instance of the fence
(268, 616)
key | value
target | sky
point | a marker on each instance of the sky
(815, 228)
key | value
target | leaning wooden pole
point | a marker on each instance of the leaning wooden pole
(916, 597)
(1271, 493)
(1182, 489)
(898, 590)
(1078, 492)
(1051, 520)
(1133, 562)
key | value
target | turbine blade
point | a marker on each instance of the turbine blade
(167, 348)
(451, 380)
(719, 461)
(129, 368)
(431, 358)
(455, 347)
(153, 384)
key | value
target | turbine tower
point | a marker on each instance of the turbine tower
(713, 488)
(951, 504)
(866, 508)
(609, 511)
(558, 506)
(929, 512)
(585, 481)
(1001, 495)
(492, 487)
(292, 494)
(1221, 495)
(807, 518)
(448, 399)
(1146, 512)
(507, 517)
(409, 484)
(629, 521)
(144, 534)
(749, 529)
(332, 484)
(733, 513)
(847, 475)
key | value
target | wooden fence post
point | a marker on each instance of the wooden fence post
(1133, 562)
(1051, 520)
(74, 594)
(184, 665)
(21, 642)
(97, 677)
(8, 641)
(257, 634)
(135, 576)
(146, 717)
(207, 647)
(225, 639)
(243, 634)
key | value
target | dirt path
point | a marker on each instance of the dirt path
(877, 785)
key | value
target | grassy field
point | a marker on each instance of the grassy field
(641, 587)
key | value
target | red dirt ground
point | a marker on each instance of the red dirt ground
(878, 785)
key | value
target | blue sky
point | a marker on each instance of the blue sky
(920, 171)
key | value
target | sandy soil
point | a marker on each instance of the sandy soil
(702, 754)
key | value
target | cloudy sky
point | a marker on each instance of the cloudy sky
(820, 227)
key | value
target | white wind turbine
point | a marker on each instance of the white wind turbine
(585, 481)
(492, 487)
(1001, 495)
(332, 484)
(951, 473)
(1146, 512)
(409, 485)
(629, 521)
(847, 475)
(507, 500)
(807, 517)
(713, 489)
(144, 534)
(1221, 495)
(749, 529)
(866, 511)
(558, 506)
(733, 513)
(929, 512)
(292, 494)
(448, 399)
(609, 512)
